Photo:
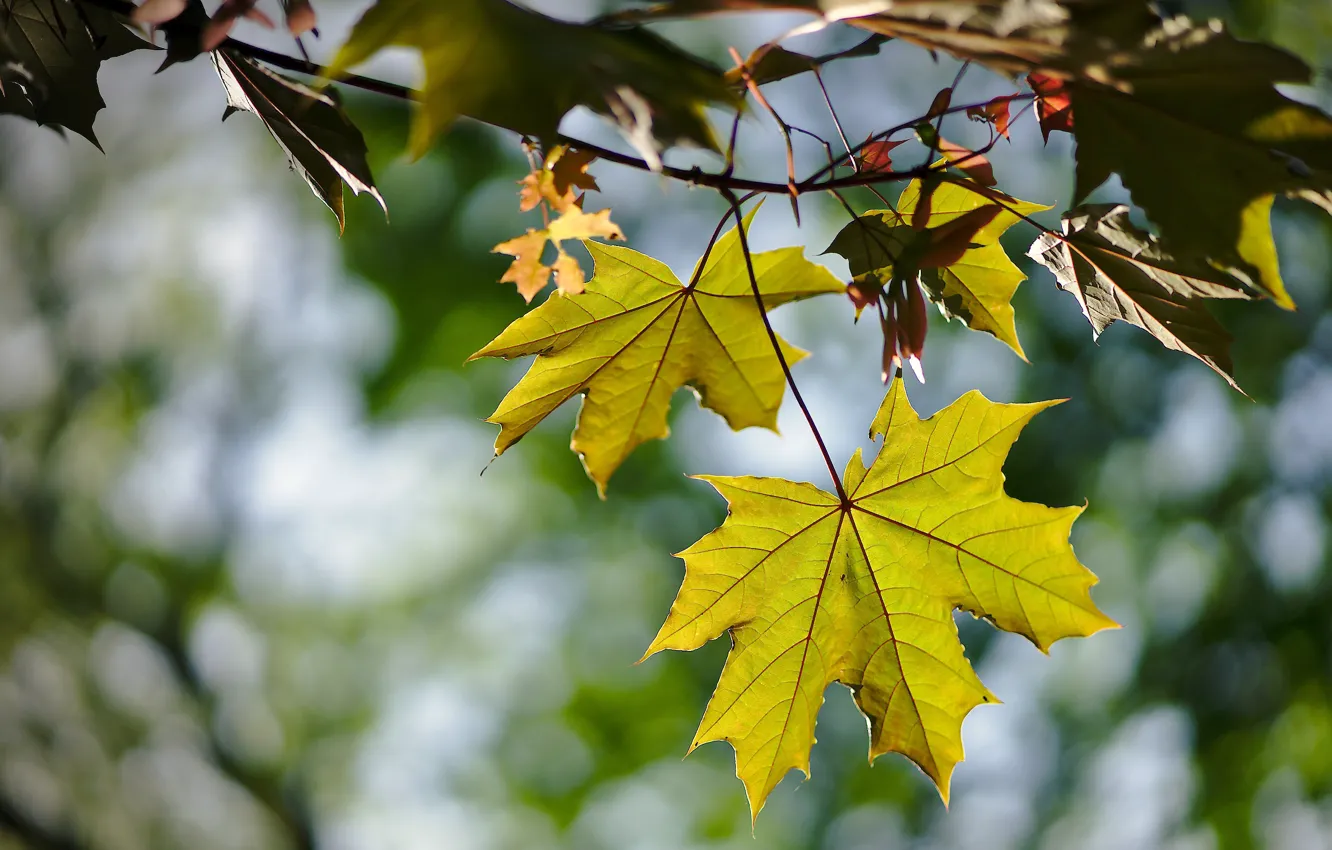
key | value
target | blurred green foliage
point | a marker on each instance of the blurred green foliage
(253, 593)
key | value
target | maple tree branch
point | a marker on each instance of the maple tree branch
(695, 175)
(777, 345)
(782, 127)
(812, 184)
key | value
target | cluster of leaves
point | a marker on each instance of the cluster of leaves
(858, 585)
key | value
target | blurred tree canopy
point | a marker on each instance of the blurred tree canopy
(254, 592)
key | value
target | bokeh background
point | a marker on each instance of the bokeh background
(255, 593)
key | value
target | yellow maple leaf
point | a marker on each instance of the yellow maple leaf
(816, 589)
(637, 335)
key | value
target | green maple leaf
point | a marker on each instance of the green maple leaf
(1121, 273)
(50, 52)
(1200, 136)
(977, 288)
(321, 143)
(815, 589)
(514, 68)
(636, 335)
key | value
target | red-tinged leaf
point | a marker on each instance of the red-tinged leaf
(975, 165)
(995, 113)
(875, 158)
(891, 362)
(950, 241)
(940, 104)
(917, 321)
(1053, 106)
(300, 16)
(863, 294)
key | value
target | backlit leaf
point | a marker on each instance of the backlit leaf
(530, 274)
(1203, 140)
(976, 288)
(995, 113)
(1121, 273)
(50, 53)
(321, 143)
(636, 335)
(1054, 109)
(815, 589)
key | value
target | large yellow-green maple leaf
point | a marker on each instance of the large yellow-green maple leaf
(636, 335)
(815, 589)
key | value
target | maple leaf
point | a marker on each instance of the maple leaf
(975, 287)
(771, 62)
(553, 182)
(1054, 109)
(637, 334)
(1203, 140)
(50, 52)
(1121, 273)
(521, 70)
(321, 143)
(876, 156)
(995, 113)
(527, 270)
(816, 589)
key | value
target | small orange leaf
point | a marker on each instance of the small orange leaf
(568, 167)
(569, 275)
(555, 180)
(995, 113)
(875, 158)
(1054, 108)
(526, 269)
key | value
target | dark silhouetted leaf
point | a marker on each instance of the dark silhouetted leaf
(1120, 273)
(772, 62)
(50, 51)
(1203, 141)
(321, 143)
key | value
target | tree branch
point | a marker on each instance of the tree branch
(694, 176)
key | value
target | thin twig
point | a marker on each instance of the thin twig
(938, 119)
(782, 126)
(822, 141)
(776, 343)
(841, 134)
